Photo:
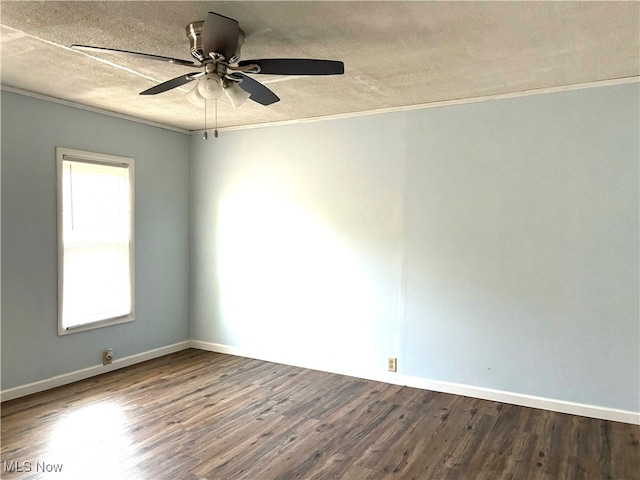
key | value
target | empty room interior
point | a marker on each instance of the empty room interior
(313, 240)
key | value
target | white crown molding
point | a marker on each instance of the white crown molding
(405, 108)
(80, 106)
(444, 103)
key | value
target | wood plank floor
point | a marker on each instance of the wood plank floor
(201, 415)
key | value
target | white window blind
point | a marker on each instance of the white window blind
(96, 243)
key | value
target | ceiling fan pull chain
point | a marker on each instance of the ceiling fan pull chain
(215, 117)
(205, 135)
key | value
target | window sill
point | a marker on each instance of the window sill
(93, 325)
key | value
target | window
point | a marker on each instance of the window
(95, 240)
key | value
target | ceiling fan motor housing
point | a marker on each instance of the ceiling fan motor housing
(194, 34)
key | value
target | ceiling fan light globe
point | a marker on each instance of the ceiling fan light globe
(209, 87)
(236, 95)
(194, 97)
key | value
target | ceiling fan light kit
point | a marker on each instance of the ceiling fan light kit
(236, 95)
(195, 98)
(210, 87)
(230, 94)
(216, 44)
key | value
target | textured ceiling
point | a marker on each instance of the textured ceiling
(395, 53)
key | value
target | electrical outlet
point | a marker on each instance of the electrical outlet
(107, 356)
(392, 365)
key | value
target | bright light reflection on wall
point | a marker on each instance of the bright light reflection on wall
(286, 279)
(93, 442)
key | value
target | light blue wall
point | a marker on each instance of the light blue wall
(491, 244)
(31, 129)
(521, 236)
(296, 241)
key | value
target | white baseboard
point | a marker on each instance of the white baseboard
(502, 396)
(71, 377)
(523, 400)
(386, 377)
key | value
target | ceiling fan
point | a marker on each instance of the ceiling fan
(216, 43)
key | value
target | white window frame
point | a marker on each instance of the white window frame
(103, 159)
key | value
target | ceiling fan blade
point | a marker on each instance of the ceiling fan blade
(220, 34)
(177, 61)
(296, 66)
(169, 84)
(259, 93)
